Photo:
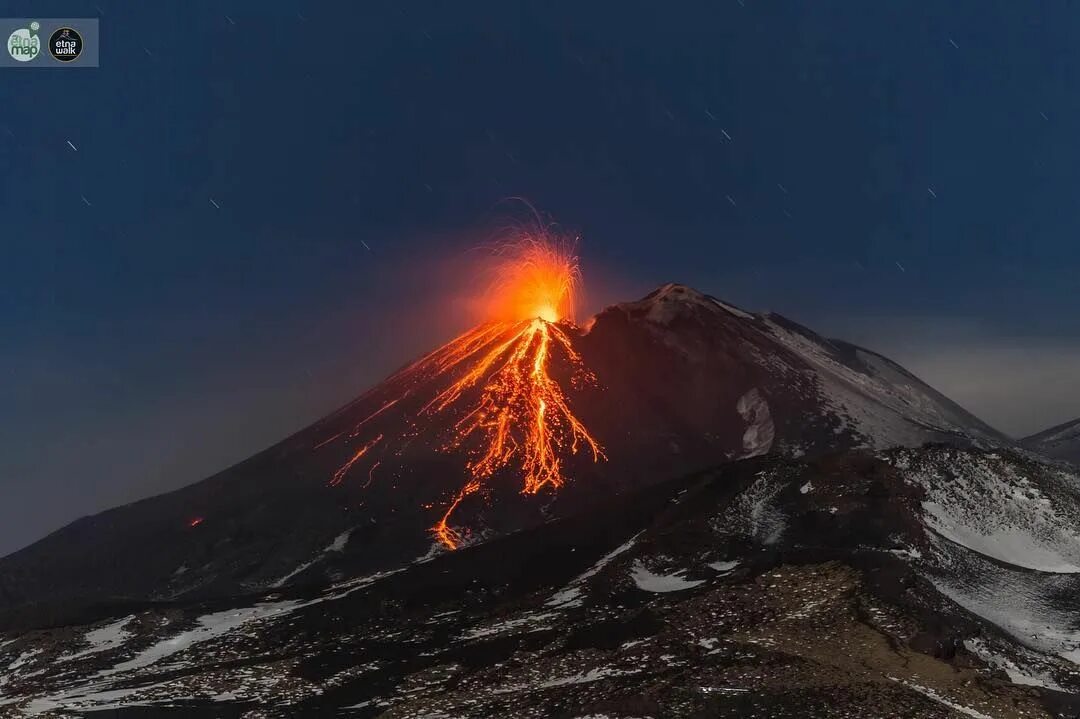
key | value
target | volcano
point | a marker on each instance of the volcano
(1059, 442)
(515, 423)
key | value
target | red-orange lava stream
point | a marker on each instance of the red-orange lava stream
(522, 417)
(510, 413)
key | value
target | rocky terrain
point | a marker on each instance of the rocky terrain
(933, 582)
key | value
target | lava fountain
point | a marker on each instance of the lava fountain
(506, 410)
(521, 418)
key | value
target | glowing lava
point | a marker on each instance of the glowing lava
(521, 418)
(508, 412)
(344, 469)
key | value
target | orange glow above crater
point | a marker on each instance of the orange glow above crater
(536, 276)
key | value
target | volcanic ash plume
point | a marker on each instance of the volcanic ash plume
(506, 411)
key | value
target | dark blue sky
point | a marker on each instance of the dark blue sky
(784, 156)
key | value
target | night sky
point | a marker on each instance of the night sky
(194, 281)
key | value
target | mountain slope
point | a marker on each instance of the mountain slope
(1060, 442)
(671, 383)
(849, 585)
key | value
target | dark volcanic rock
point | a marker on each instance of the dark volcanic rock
(849, 585)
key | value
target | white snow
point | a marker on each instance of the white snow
(723, 690)
(927, 692)
(806, 488)
(881, 403)
(724, 567)
(985, 503)
(103, 638)
(23, 658)
(209, 627)
(753, 512)
(907, 553)
(88, 697)
(651, 582)
(592, 675)
(1016, 600)
(1073, 655)
(215, 625)
(571, 594)
(1007, 544)
(97, 692)
(759, 435)
(734, 310)
(281, 582)
(532, 621)
(1016, 674)
(338, 545)
(671, 301)
(568, 596)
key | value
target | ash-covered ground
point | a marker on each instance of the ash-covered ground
(932, 582)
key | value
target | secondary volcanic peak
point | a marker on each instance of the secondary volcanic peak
(506, 408)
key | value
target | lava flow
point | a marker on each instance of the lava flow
(521, 416)
(507, 410)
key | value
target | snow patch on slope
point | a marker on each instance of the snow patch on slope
(672, 301)
(338, 545)
(104, 638)
(733, 310)
(883, 405)
(754, 513)
(571, 594)
(595, 674)
(759, 435)
(1035, 608)
(989, 505)
(209, 627)
(650, 582)
(928, 692)
(1016, 674)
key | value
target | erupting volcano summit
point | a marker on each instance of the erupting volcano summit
(508, 411)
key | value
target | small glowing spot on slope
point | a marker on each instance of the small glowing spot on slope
(344, 469)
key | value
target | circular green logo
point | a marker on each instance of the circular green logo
(24, 44)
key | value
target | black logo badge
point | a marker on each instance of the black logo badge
(65, 44)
